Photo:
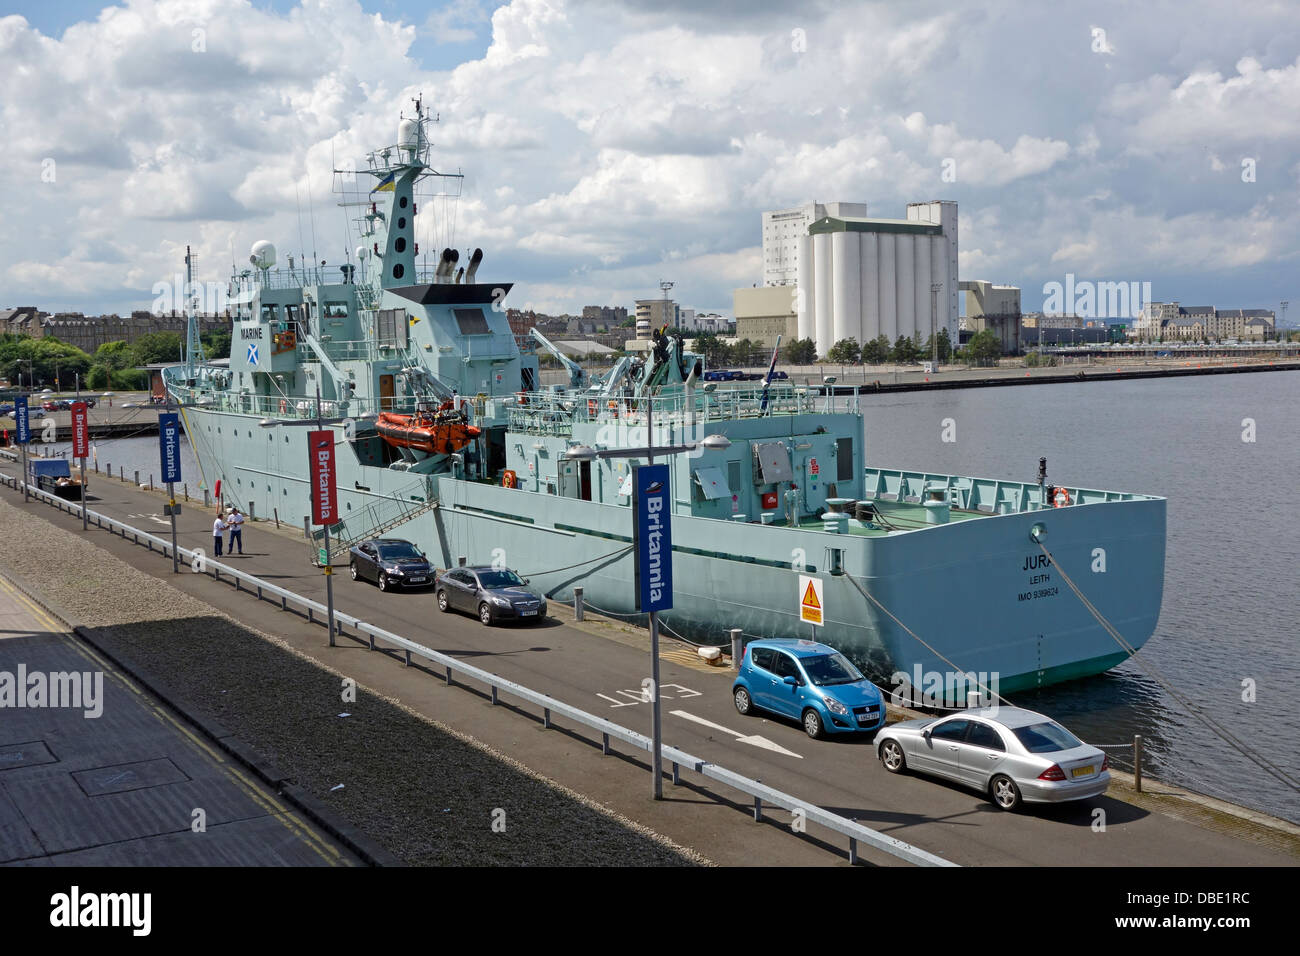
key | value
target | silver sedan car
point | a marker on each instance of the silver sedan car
(1013, 755)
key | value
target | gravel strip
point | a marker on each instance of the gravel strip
(422, 790)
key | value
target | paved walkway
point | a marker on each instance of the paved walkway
(111, 778)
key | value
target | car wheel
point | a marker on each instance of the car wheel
(812, 724)
(743, 702)
(485, 614)
(891, 755)
(384, 583)
(442, 601)
(1005, 792)
(352, 570)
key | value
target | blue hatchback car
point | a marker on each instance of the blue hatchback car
(813, 683)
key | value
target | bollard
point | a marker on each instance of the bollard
(737, 647)
(151, 482)
(276, 513)
(306, 527)
(186, 489)
(252, 511)
(137, 478)
(460, 561)
(1137, 762)
(206, 502)
(577, 604)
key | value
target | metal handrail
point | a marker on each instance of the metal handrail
(762, 794)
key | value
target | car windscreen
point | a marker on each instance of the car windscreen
(392, 552)
(1046, 738)
(499, 579)
(831, 669)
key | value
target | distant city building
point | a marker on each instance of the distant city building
(784, 229)
(1169, 320)
(605, 315)
(993, 307)
(764, 312)
(862, 278)
(89, 332)
(1038, 320)
(654, 314)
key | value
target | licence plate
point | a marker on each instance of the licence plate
(866, 718)
(420, 579)
(528, 613)
(1082, 771)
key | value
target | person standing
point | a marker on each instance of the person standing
(235, 522)
(218, 532)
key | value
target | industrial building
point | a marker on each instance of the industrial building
(992, 307)
(764, 312)
(859, 278)
(784, 230)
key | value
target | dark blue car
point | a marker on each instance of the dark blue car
(811, 683)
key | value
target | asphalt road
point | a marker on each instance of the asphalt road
(601, 669)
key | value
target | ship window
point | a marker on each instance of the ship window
(844, 459)
(336, 310)
(472, 322)
(402, 202)
(398, 271)
(268, 313)
(400, 245)
(401, 224)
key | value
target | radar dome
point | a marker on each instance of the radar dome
(408, 134)
(263, 254)
(362, 252)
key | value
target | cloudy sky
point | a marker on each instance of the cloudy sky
(607, 145)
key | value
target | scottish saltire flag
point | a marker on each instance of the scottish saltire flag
(252, 353)
(386, 185)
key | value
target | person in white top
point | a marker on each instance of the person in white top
(218, 530)
(235, 522)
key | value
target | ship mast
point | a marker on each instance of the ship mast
(193, 344)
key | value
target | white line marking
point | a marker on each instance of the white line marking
(754, 739)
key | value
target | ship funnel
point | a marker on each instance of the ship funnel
(444, 265)
(474, 261)
(460, 274)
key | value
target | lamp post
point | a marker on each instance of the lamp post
(713, 442)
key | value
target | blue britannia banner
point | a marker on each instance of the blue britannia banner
(652, 538)
(169, 445)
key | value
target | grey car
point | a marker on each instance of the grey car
(493, 594)
(1013, 755)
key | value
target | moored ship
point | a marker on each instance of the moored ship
(442, 429)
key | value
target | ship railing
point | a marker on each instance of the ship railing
(289, 406)
(300, 277)
(555, 414)
(455, 670)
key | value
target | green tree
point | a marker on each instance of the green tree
(945, 346)
(216, 345)
(114, 355)
(714, 350)
(98, 377)
(845, 351)
(876, 351)
(904, 351)
(800, 352)
(985, 348)
(156, 347)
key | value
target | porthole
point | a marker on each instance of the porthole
(398, 271)
(400, 244)
(401, 222)
(402, 202)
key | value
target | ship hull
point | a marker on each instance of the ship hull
(971, 597)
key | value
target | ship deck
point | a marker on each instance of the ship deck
(904, 516)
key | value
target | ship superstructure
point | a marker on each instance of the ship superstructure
(917, 572)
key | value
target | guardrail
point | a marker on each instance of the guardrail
(369, 634)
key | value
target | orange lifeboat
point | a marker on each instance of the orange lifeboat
(437, 433)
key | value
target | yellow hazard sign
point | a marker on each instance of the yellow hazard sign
(811, 600)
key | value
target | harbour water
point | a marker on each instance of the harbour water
(1231, 613)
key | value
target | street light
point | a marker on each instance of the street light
(712, 442)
